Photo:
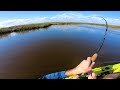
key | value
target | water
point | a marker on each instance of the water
(30, 55)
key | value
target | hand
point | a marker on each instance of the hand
(83, 67)
(92, 76)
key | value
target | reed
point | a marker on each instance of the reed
(26, 27)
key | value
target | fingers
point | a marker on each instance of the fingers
(89, 59)
(93, 63)
(89, 76)
(88, 71)
(92, 76)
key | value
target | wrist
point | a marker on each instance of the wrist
(69, 73)
(72, 72)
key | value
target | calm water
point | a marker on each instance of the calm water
(35, 53)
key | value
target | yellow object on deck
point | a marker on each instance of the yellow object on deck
(101, 71)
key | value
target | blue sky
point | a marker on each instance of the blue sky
(29, 14)
(11, 18)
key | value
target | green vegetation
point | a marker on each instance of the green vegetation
(44, 25)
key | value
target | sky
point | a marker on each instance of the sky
(12, 18)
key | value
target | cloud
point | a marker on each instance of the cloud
(77, 17)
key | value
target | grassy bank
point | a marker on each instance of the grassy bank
(44, 25)
(31, 27)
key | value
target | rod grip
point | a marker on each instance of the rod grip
(94, 57)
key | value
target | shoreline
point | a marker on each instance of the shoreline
(27, 27)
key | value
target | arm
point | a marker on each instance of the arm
(56, 75)
(84, 67)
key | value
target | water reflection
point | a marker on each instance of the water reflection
(31, 54)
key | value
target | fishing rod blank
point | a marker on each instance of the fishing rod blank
(94, 57)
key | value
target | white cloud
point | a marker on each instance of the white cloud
(60, 17)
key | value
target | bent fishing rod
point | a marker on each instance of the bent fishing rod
(95, 55)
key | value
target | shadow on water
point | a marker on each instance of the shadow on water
(32, 54)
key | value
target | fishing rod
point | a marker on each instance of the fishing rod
(95, 55)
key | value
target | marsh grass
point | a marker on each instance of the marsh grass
(27, 27)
